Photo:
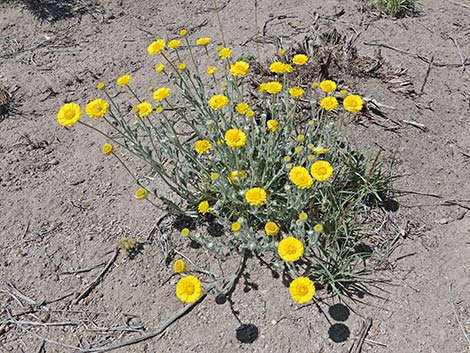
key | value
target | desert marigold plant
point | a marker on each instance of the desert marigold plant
(278, 178)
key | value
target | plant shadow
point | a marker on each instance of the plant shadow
(55, 10)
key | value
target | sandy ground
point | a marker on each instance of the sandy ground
(63, 204)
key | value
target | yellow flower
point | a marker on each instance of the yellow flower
(239, 68)
(290, 249)
(156, 47)
(183, 32)
(107, 149)
(141, 194)
(300, 59)
(329, 103)
(236, 226)
(161, 93)
(255, 196)
(296, 92)
(185, 232)
(124, 80)
(300, 137)
(69, 114)
(96, 108)
(353, 103)
(299, 222)
(144, 109)
(271, 229)
(287, 158)
(181, 66)
(203, 207)
(250, 113)
(328, 86)
(218, 101)
(319, 150)
(314, 84)
(273, 125)
(298, 149)
(174, 44)
(282, 51)
(101, 86)
(188, 289)
(300, 177)
(262, 88)
(225, 53)
(278, 67)
(302, 290)
(272, 87)
(236, 175)
(235, 138)
(311, 157)
(203, 41)
(318, 228)
(343, 92)
(211, 70)
(179, 266)
(303, 216)
(159, 109)
(321, 170)
(202, 146)
(214, 176)
(241, 108)
(160, 68)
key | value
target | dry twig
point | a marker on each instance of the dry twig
(451, 292)
(183, 311)
(462, 59)
(357, 346)
(458, 3)
(98, 279)
(427, 75)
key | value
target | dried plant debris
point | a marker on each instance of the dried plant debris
(55, 10)
(127, 246)
(336, 58)
(5, 101)
(10, 102)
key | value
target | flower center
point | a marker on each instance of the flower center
(302, 290)
(69, 114)
(291, 249)
(321, 170)
(189, 289)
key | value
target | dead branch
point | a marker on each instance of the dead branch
(427, 75)
(462, 59)
(458, 3)
(36, 323)
(98, 279)
(415, 124)
(88, 269)
(183, 311)
(451, 292)
(418, 56)
(366, 325)
(17, 295)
